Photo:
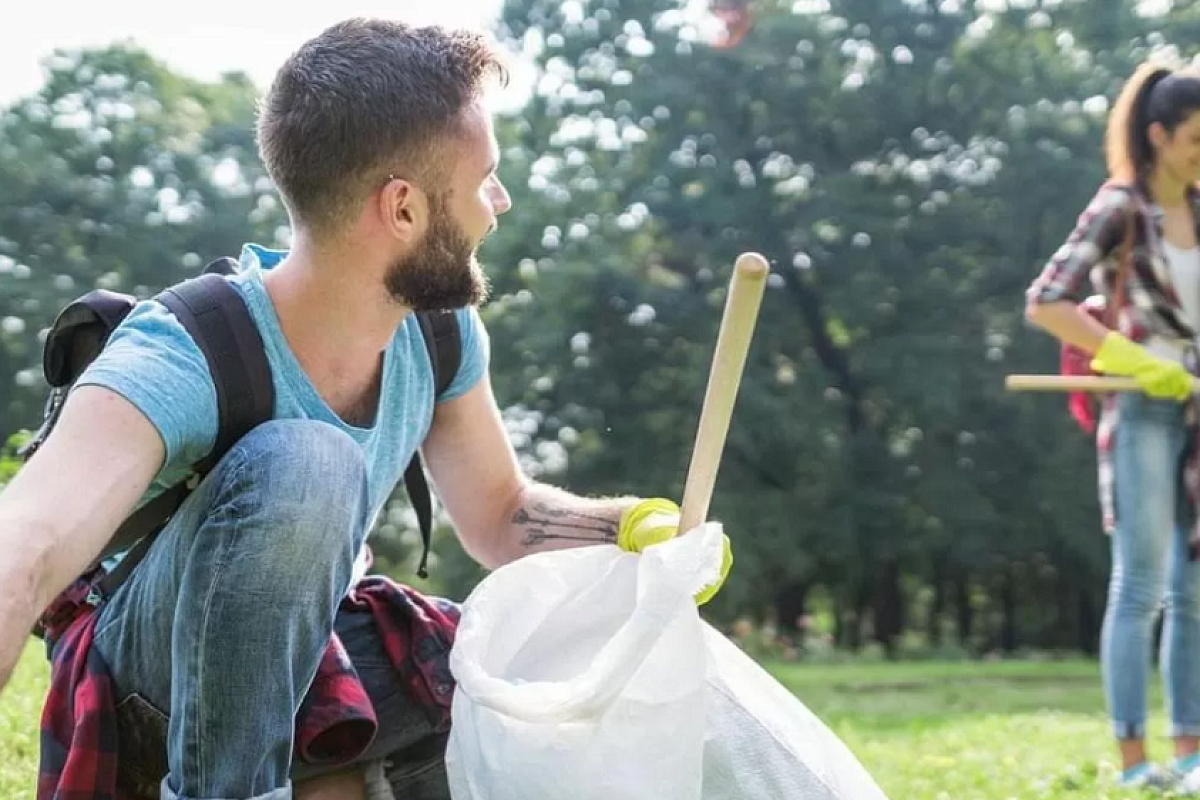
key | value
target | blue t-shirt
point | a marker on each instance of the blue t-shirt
(152, 361)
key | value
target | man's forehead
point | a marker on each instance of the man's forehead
(479, 136)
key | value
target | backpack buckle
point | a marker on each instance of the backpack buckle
(53, 409)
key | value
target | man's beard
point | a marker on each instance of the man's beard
(442, 273)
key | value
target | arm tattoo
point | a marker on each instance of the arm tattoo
(542, 523)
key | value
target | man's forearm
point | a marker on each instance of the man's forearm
(547, 518)
(19, 604)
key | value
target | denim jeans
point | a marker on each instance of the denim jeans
(217, 635)
(1151, 571)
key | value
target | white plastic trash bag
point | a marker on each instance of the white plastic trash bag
(762, 742)
(587, 674)
(580, 674)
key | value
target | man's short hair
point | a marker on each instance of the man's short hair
(363, 100)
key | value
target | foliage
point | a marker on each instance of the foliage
(10, 461)
(906, 167)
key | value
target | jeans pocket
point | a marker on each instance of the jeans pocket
(141, 747)
(419, 772)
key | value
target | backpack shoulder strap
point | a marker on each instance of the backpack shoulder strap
(213, 312)
(216, 317)
(443, 340)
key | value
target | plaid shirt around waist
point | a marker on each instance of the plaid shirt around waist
(336, 722)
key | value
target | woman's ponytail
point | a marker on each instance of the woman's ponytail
(1127, 144)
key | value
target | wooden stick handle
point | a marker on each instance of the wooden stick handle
(1069, 383)
(729, 359)
(1074, 383)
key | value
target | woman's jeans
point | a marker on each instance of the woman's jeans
(1151, 571)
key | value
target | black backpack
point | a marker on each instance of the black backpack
(212, 311)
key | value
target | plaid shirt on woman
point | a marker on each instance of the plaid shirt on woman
(1149, 311)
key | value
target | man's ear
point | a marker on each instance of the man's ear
(403, 209)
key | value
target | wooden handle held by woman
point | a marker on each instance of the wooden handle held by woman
(1075, 383)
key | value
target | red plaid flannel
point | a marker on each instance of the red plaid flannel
(336, 721)
(1150, 309)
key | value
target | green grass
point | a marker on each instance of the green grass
(973, 731)
(20, 713)
(927, 731)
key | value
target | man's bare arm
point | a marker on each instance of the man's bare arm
(500, 514)
(62, 507)
(544, 516)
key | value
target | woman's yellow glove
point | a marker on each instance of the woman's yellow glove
(656, 520)
(1157, 377)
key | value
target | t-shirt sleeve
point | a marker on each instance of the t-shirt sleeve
(153, 362)
(476, 354)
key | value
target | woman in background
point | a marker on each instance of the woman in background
(1149, 476)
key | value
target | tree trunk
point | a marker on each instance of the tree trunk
(964, 613)
(790, 602)
(1089, 624)
(1066, 623)
(840, 628)
(862, 600)
(1008, 610)
(889, 608)
(937, 607)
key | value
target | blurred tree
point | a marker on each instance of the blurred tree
(123, 175)
(906, 167)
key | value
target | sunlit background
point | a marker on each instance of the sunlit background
(906, 166)
(199, 39)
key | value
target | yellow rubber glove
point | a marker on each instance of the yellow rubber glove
(1158, 377)
(656, 520)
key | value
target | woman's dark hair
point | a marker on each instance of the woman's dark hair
(1153, 93)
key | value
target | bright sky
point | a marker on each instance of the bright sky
(201, 39)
